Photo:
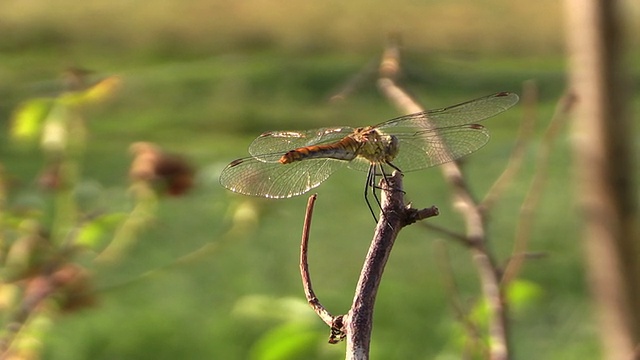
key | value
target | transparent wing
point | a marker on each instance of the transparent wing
(438, 136)
(279, 142)
(456, 115)
(434, 147)
(429, 148)
(251, 176)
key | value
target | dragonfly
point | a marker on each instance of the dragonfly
(284, 164)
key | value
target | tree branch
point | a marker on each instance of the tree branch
(525, 133)
(605, 168)
(357, 324)
(530, 203)
(468, 208)
(306, 277)
(394, 215)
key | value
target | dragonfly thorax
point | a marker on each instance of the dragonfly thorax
(374, 146)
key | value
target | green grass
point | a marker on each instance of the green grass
(210, 109)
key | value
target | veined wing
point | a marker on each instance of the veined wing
(434, 147)
(462, 114)
(438, 136)
(279, 142)
(252, 176)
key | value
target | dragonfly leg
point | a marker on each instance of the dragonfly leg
(371, 183)
(393, 166)
(385, 176)
(375, 186)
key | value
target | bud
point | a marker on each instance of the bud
(167, 173)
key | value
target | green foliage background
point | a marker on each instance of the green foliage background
(203, 78)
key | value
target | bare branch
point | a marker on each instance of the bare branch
(525, 133)
(605, 167)
(394, 215)
(530, 203)
(449, 233)
(444, 263)
(353, 83)
(304, 268)
(357, 324)
(468, 208)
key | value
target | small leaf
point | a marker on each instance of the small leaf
(93, 232)
(104, 89)
(519, 295)
(55, 132)
(287, 341)
(263, 307)
(27, 119)
(522, 293)
(99, 92)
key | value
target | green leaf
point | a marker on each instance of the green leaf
(519, 295)
(55, 132)
(263, 307)
(97, 93)
(93, 232)
(27, 119)
(522, 293)
(287, 341)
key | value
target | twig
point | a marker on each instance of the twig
(39, 288)
(530, 203)
(394, 216)
(352, 84)
(473, 333)
(525, 133)
(304, 270)
(449, 233)
(468, 208)
(140, 216)
(356, 325)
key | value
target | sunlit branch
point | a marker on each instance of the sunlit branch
(356, 325)
(530, 203)
(525, 134)
(488, 271)
(304, 266)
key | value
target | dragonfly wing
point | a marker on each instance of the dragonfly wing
(279, 142)
(462, 114)
(360, 164)
(434, 147)
(251, 176)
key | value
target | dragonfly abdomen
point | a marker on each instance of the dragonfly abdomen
(344, 149)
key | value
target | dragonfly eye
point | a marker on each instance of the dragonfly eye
(392, 148)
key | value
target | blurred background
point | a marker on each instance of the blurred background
(214, 274)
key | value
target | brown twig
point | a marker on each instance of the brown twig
(530, 203)
(449, 233)
(468, 208)
(353, 83)
(356, 325)
(525, 134)
(473, 333)
(304, 268)
(394, 216)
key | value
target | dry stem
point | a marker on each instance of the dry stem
(357, 324)
(467, 206)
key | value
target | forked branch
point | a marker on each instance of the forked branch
(356, 325)
(470, 210)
